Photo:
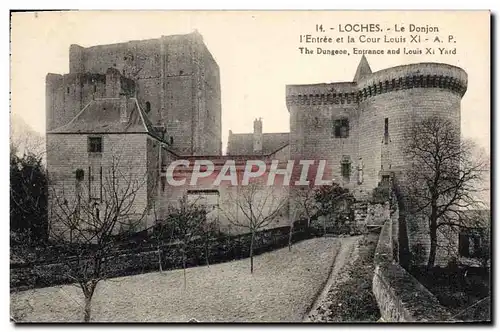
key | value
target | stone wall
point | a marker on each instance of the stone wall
(121, 153)
(371, 214)
(176, 78)
(264, 198)
(400, 297)
(380, 108)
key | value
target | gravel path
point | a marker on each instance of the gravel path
(281, 289)
(345, 252)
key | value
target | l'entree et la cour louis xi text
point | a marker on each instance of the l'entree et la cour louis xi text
(375, 39)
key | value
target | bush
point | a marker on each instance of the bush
(380, 195)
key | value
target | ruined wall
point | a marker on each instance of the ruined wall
(177, 80)
(208, 97)
(66, 95)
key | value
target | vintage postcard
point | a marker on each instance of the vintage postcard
(250, 166)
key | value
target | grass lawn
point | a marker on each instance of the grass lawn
(281, 289)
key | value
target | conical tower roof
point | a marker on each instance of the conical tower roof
(363, 69)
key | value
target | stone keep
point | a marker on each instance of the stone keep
(176, 82)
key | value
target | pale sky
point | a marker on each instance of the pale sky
(257, 53)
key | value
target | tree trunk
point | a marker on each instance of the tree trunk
(159, 259)
(433, 236)
(251, 252)
(432, 252)
(206, 253)
(290, 234)
(87, 312)
(324, 226)
(184, 267)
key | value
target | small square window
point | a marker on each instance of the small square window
(341, 128)
(95, 144)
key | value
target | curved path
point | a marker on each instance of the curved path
(347, 246)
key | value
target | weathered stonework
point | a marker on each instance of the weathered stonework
(401, 297)
(379, 108)
(167, 93)
(177, 84)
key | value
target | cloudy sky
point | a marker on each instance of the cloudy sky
(257, 53)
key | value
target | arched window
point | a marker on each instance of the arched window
(148, 107)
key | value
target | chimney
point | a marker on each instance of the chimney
(124, 100)
(257, 135)
(113, 84)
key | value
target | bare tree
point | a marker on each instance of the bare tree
(93, 220)
(189, 220)
(162, 233)
(254, 208)
(305, 200)
(333, 201)
(210, 228)
(445, 177)
(305, 207)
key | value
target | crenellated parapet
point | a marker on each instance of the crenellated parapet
(322, 94)
(421, 75)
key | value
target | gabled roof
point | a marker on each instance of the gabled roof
(103, 116)
(242, 144)
(363, 69)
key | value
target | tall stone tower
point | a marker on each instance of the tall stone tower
(365, 121)
(177, 84)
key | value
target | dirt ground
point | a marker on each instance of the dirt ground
(281, 289)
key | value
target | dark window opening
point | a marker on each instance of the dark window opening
(95, 88)
(346, 170)
(171, 140)
(341, 128)
(67, 89)
(386, 180)
(386, 131)
(181, 72)
(95, 144)
(469, 243)
(79, 174)
(148, 107)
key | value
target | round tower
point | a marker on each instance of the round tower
(391, 100)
